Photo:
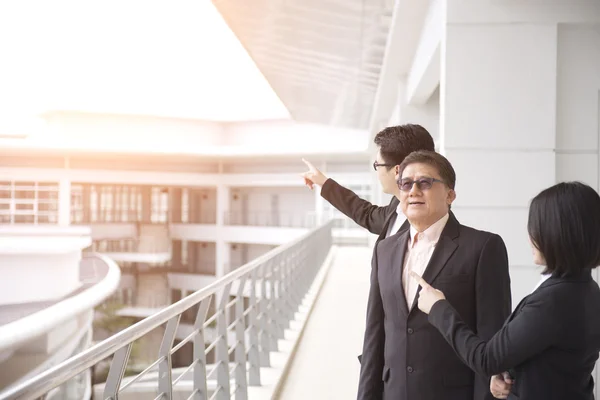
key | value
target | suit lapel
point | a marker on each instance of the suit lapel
(396, 263)
(444, 249)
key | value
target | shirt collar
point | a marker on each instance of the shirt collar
(431, 234)
(544, 278)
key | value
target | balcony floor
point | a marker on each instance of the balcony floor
(325, 365)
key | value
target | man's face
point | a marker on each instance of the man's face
(424, 206)
(387, 176)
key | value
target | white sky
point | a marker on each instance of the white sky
(172, 58)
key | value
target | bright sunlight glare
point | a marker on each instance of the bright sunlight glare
(175, 58)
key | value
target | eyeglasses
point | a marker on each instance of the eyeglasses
(376, 164)
(406, 184)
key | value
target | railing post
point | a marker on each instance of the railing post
(200, 387)
(289, 286)
(253, 335)
(264, 336)
(278, 298)
(271, 305)
(241, 381)
(116, 372)
(282, 295)
(222, 348)
(165, 380)
(296, 284)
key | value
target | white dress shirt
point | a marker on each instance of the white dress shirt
(398, 221)
(417, 256)
(543, 279)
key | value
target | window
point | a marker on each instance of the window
(28, 202)
(105, 203)
(159, 205)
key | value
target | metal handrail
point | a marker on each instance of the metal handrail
(43, 321)
(292, 266)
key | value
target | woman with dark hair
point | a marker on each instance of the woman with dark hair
(550, 343)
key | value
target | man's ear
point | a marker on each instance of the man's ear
(451, 196)
(397, 171)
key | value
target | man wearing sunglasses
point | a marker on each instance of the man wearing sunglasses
(404, 357)
(394, 144)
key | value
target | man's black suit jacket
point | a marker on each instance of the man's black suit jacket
(405, 357)
(375, 219)
(549, 344)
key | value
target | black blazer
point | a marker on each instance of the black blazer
(404, 356)
(375, 219)
(549, 344)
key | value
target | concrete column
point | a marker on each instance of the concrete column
(426, 115)
(223, 256)
(86, 199)
(223, 203)
(146, 204)
(64, 202)
(175, 205)
(497, 126)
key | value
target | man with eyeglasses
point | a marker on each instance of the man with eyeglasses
(394, 144)
(404, 357)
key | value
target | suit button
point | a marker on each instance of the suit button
(410, 331)
(410, 369)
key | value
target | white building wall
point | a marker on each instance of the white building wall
(427, 115)
(518, 111)
(578, 107)
(295, 206)
(265, 206)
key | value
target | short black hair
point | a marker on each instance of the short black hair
(441, 163)
(396, 142)
(564, 225)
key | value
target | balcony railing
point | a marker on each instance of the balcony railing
(253, 304)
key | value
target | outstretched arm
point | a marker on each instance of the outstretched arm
(532, 331)
(365, 214)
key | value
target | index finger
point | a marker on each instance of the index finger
(421, 281)
(308, 164)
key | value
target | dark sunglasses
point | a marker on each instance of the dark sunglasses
(376, 164)
(406, 184)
